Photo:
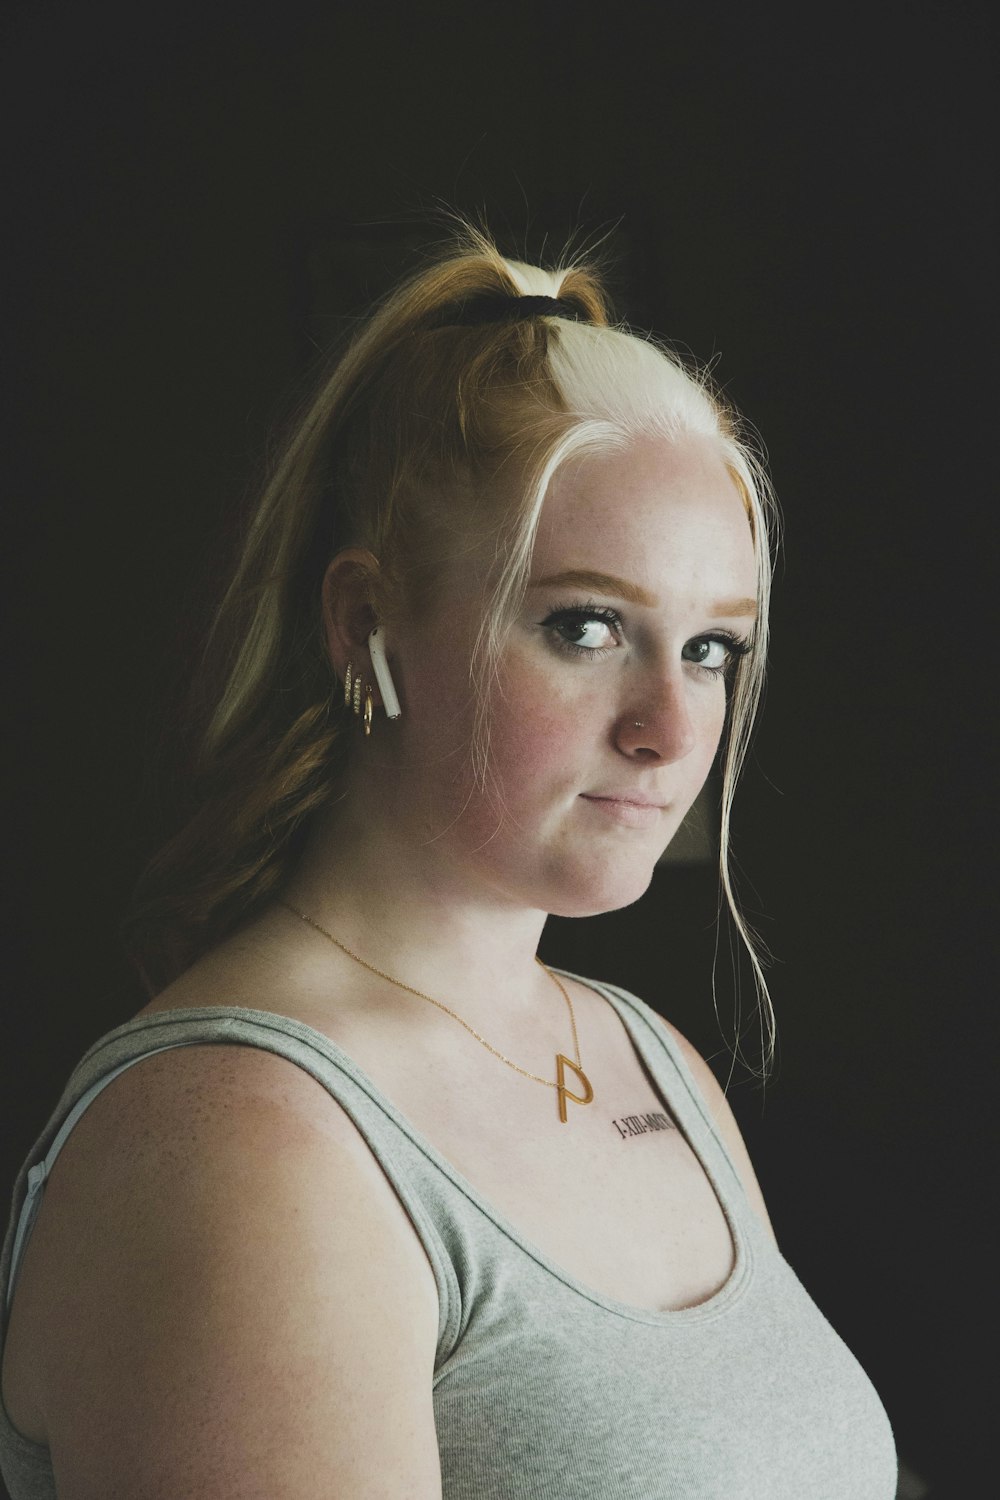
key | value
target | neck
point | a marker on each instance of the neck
(407, 907)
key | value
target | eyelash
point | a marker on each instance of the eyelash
(736, 645)
(579, 614)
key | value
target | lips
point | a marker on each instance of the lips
(627, 808)
(634, 799)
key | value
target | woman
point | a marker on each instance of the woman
(366, 1202)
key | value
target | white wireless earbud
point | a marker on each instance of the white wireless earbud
(376, 648)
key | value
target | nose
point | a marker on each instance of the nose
(657, 724)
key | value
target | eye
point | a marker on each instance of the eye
(586, 630)
(715, 653)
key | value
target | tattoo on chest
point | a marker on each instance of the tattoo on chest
(628, 1125)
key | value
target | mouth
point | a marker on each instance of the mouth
(631, 811)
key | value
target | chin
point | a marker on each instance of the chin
(598, 900)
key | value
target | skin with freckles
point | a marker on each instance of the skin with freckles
(556, 831)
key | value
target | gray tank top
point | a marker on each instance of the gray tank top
(543, 1387)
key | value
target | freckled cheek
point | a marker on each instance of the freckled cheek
(709, 721)
(715, 714)
(537, 739)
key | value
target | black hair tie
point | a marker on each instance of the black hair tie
(505, 307)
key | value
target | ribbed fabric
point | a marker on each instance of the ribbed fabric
(543, 1387)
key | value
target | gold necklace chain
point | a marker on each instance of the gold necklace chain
(561, 1060)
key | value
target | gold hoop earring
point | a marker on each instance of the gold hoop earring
(357, 694)
(368, 710)
(347, 685)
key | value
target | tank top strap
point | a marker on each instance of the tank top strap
(386, 1134)
(670, 1071)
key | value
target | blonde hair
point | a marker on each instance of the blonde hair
(430, 434)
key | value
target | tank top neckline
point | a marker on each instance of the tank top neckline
(728, 1293)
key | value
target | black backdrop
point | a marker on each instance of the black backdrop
(191, 202)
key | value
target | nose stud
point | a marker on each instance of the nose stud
(639, 724)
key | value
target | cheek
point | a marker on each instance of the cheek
(710, 725)
(535, 737)
(708, 718)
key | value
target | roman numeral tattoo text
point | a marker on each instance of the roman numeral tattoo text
(642, 1124)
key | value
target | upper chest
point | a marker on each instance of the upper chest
(616, 1196)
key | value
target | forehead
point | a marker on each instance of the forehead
(658, 512)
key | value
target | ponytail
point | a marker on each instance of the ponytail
(443, 424)
(399, 416)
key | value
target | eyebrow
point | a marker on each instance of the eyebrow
(609, 583)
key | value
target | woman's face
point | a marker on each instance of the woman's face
(611, 694)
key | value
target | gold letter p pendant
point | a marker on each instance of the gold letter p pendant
(562, 1063)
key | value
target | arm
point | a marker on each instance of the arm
(725, 1122)
(250, 1313)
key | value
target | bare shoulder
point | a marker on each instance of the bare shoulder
(236, 1302)
(722, 1114)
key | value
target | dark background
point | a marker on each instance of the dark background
(193, 203)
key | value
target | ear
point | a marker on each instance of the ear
(349, 615)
